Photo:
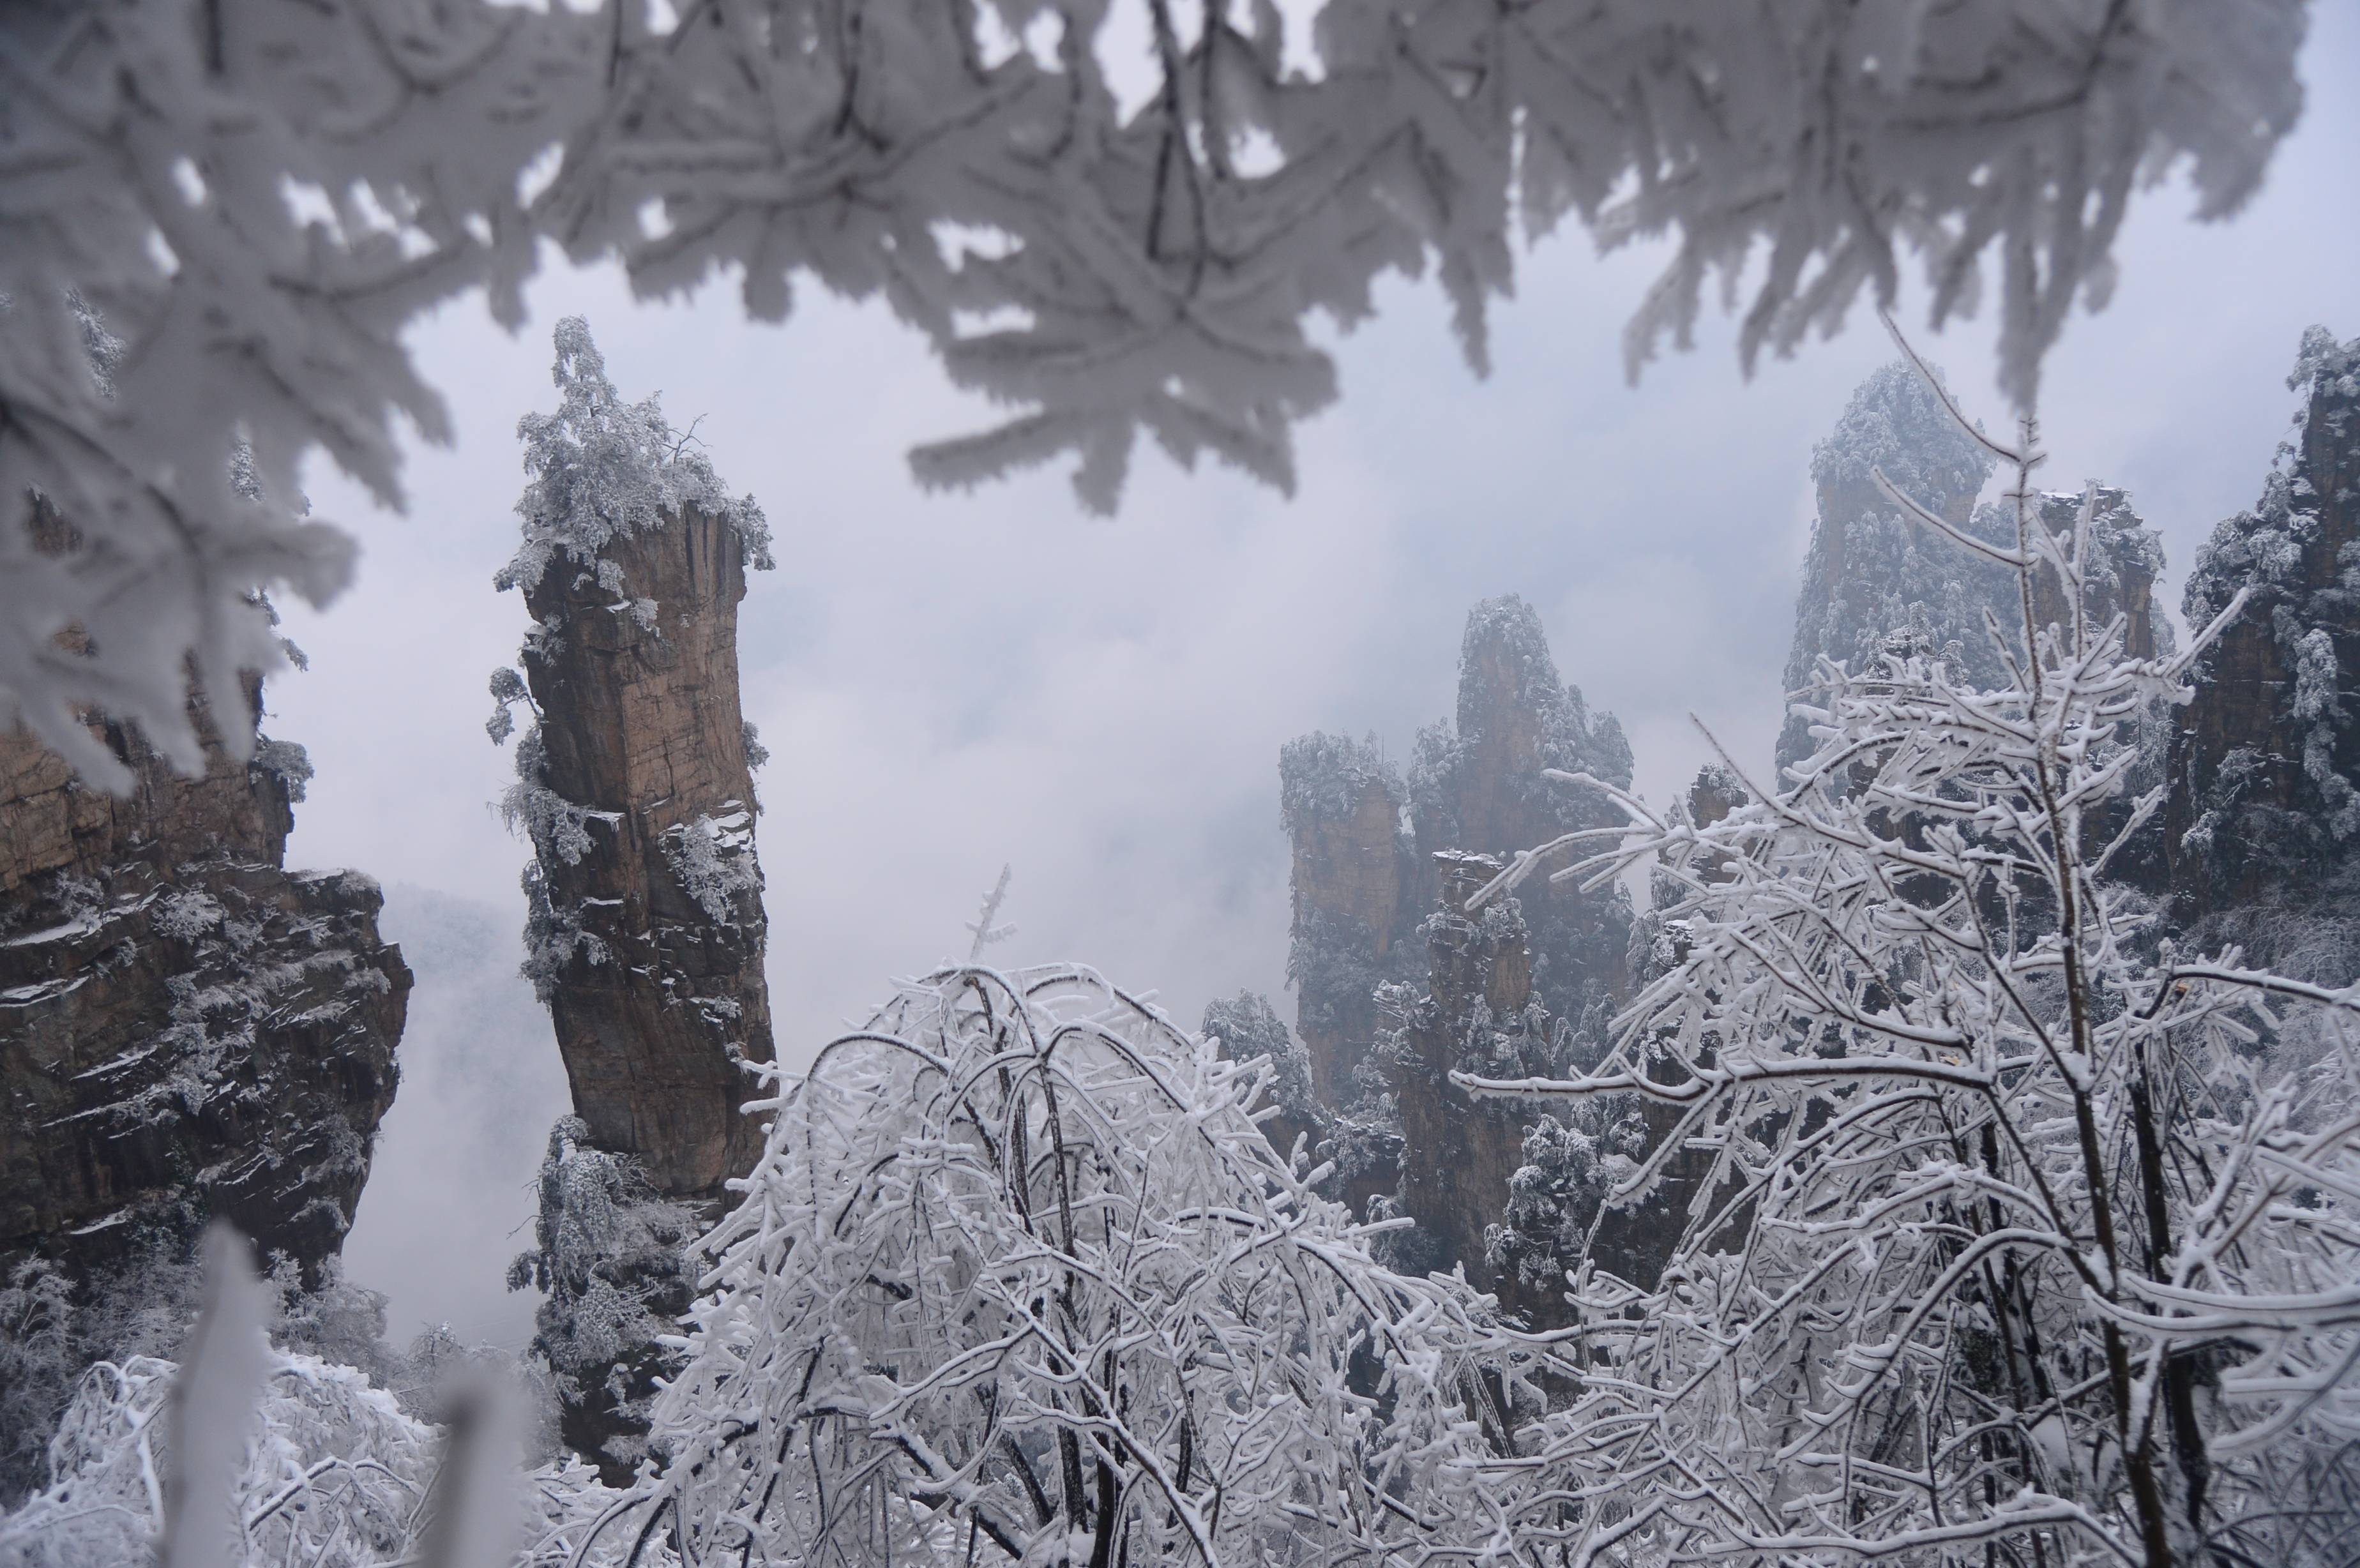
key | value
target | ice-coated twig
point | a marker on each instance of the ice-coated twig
(983, 926)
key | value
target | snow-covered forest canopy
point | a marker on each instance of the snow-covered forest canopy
(1919, 1126)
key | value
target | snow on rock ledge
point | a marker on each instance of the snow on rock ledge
(185, 1027)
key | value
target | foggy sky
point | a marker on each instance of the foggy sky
(949, 682)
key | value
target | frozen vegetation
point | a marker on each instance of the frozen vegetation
(1984, 1077)
(260, 198)
(2012, 1221)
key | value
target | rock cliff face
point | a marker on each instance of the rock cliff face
(187, 1030)
(2262, 811)
(1364, 840)
(646, 929)
(1870, 571)
(654, 976)
(1875, 583)
(1477, 1013)
(1356, 891)
(1396, 984)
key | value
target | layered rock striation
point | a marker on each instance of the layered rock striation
(645, 932)
(187, 1029)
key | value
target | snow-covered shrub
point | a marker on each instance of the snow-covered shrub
(334, 1472)
(39, 1366)
(333, 1476)
(248, 1455)
(1248, 1028)
(285, 761)
(714, 858)
(600, 468)
(611, 1263)
(2012, 1245)
(1018, 1279)
(1323, 777)
(1570, 1163)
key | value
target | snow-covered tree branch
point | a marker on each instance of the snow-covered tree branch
(219, 217)
(1017, 1277)
(2020, 1241)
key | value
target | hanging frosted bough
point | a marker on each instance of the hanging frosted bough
(254, 201)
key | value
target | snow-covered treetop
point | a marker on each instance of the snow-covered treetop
(1975, 1155)
(255, 200)
(1246, 1026)
(600, 467)
(1019, 1279)
(1321, 777)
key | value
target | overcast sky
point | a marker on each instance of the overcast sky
(949, 682)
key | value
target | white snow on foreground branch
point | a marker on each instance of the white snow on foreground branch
(249, 1456)
(222, 215)
(1019, 1276)
(2016, 1234)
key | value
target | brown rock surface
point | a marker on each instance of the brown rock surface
(640, 725)
(1353, 894)
(186, 1028)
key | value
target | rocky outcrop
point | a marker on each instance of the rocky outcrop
(1869, 571)
(1477, 787)
(1397, 985)
(646, 930)
(187, 1030)
(2263, 811)
(1365, 839)
(652, 958)
(1355, 891)
(1475, 1014)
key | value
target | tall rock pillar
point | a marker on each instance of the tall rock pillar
(1352, 876)
(647, 933)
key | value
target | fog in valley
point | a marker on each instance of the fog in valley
(951, 682)
(1658, 929)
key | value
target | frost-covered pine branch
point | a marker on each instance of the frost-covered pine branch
(240, 205)
(2019, 1243)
